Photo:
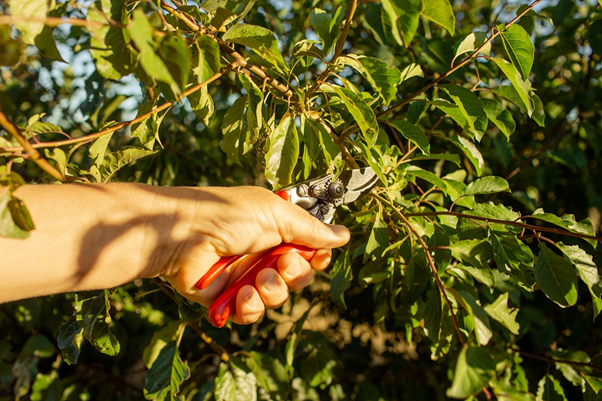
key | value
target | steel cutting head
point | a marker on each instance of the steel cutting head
(357, 183)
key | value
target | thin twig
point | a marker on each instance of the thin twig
(91, 137)
(32, 154)
(509, 223)
(553, 360)
(223, 354)
(430, 262)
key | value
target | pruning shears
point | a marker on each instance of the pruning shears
(320, 197)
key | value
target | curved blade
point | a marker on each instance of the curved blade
(357, 182)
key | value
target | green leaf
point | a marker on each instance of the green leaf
(417, 274)
(569, 223)
(374, 159)
(166, 375)
(572, 373)
(142, 35)
(586, 268)
(511, 255)
(412, 133)
(47, 45)
(283, 153)
(147, 130)
(108, 45)
(340, 278)
(330, 150)
(232, 128)
(70, 340)
(37, 345)
(384, 80)
(500, 311)
(11, 49)
(320, 366)
(20, 214)
(471, 152)
(549, 389)
(202, 105)
(539, 114)
(440, 12)
(441, 256)
(499, 116)
(522, 86)
(472, 42)
(270, 373)
(124, 156)
(428, 176)
(159, 340)
(412, 70)
(93, 316)
(519, 47)
(208, 59)
(474, 368)
(234, 384)
(361, 112)
(475, 254)
(379, 238)
(8, 227)
(486, 185)
(254, 112)
(173, 50)
(222, 17)
(556, 277)
(471, 108)
(37, 9)
(326, 27)
(259, 39)
(293, 342)
(469, 230)
(403, 16)
(482, 327)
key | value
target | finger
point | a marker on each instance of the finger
(294, 270)
(299, 227)
(272, 288)
(321, 259)
(249, 306)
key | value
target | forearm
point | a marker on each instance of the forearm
(86, 237)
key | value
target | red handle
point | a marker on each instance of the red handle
(225, 305)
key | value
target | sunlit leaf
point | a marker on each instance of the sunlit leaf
(474, 368)
(166, 375)
(519, 47)
(260, 39)
(403, 16)
(441, 13)
(283, 153)
(505, 315)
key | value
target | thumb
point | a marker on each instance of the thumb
(299, 227)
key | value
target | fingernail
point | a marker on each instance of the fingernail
(340, 231)
(294, 269)
(249, 299)
(272, 284)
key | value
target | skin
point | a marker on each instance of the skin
(101, 236)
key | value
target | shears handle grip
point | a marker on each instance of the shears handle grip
(225, 305)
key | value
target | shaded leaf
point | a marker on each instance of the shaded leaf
(93, 317)
(474, 368)
(361, 112)
(556, 277)
(519, 47)
(499, 116)
(549, 389)
(270, 373)
(340, 278)
(471, 108)
(283, 153)
(124, 156)
(412, 133)
(159, 340)
(232, 128)
(166, 374)
(326, 27)
(403, 17)
(208, 59)
(379, 238)
(500, 311)
(586, 268)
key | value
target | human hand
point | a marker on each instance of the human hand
(213, 222)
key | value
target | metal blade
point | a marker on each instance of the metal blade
(357, 182)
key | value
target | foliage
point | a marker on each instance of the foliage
(466, 276)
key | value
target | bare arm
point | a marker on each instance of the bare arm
(101, 236)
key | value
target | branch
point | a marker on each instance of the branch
(32, 154)
(450, 71)
(223, 354)
(54, 21)
(552, 360)
(242, 62)
(430, 261)
(510, 223)
(91, 137)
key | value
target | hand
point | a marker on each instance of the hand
(213, 222)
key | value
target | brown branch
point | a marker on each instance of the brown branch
(552, 360)
(223, 354)
(338, 49)
(54, 21)
(242, 62)
(509, 223)
(451, 70)
(91, 137)
(32, 153)
(431, 264)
